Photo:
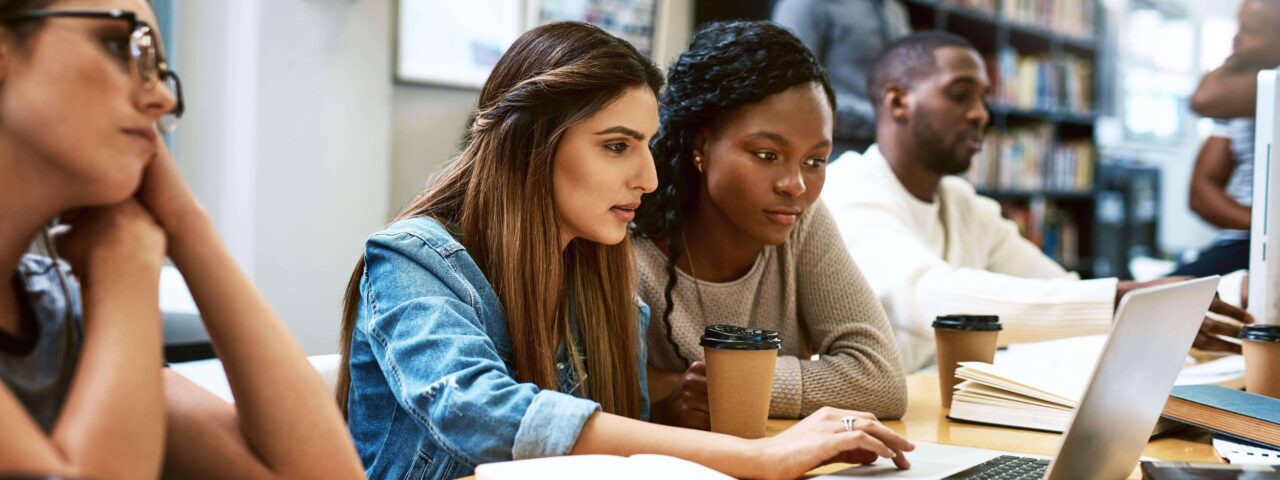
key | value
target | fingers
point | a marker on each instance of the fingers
(890, 438)
(1226, 309)
(695, 401)
(695, 379)
(693, 388)
(859, 440)
(852, 442)
(877, 434)
(1207, 337)
(1211, 342)
(1209, 325)
(697, 419)
(699, 368)
(856, 457)
(832, 413)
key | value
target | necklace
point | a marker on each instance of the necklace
(693, 272)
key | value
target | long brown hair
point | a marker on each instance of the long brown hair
(496, 198)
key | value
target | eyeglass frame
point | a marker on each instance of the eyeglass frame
(137, 28)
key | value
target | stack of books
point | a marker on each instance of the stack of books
(1025, 159)
(1070, 166)
(1240, 417)
(1068, 17)
(1019, 157)
(1039, 82)
(1076, 76)
(1038, 386)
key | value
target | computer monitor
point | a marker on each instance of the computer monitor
(1264, 248)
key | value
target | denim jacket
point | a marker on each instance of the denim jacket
(433, 389)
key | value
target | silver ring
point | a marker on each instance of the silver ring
(848, 422)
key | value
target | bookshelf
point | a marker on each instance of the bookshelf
(1040, 159)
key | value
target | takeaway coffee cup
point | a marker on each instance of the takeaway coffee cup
(1261, 344)
(740, 365)
(962, 338)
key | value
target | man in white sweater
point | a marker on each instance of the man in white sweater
(926, 242)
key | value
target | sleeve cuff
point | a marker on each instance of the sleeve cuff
(788, 388)
(551, 425)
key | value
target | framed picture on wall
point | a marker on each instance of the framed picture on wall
(454, 44)
(457, 44)
(630, 20)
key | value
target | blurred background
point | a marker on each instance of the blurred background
(311, 122)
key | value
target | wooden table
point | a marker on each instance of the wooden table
(926, 422)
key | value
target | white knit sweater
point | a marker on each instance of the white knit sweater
(954, 255)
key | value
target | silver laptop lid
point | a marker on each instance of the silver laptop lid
(1149, 340)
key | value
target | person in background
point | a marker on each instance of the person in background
(736, 234)
(83, 86)
(496, 317)
(929, 245)
(847, 36)
(1221, 190)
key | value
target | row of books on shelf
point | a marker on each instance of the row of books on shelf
(1041, 81)
(1053, 229)
(1026, 159)
(1068, 17)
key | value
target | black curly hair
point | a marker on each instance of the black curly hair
(728, 65)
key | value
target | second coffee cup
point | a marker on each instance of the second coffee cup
(1261, 345)
(740, 363)
(962, 338)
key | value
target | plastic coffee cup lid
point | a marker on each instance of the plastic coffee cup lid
(729, 337)
(1261, 333)
(977, 323)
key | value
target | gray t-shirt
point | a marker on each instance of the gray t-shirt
(1240, 186)
(38, 366)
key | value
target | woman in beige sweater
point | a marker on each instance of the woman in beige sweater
(735, 233)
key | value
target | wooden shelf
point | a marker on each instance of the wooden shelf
(1080, 195)
(993, 20)
(1048, 115)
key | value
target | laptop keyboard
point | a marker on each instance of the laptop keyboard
(1007, 467)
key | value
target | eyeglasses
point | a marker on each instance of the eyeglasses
(144, 58)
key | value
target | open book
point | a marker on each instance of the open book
(598, 466)
(1038, 385)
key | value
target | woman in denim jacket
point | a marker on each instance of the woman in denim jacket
(496, 317)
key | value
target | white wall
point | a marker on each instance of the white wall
(300, 146)
(287, 142)
(428, 121)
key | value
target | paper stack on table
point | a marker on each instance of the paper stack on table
(1240, 453)
(1038, 385)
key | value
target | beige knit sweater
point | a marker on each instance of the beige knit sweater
(808, 290)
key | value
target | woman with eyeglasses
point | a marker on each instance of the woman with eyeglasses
(84, 92)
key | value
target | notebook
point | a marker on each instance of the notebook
(1233, 413)
(1244, 453)
(1037, 386)
(583, 467)
(1206, 471)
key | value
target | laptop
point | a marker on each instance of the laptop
(1149, 340)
